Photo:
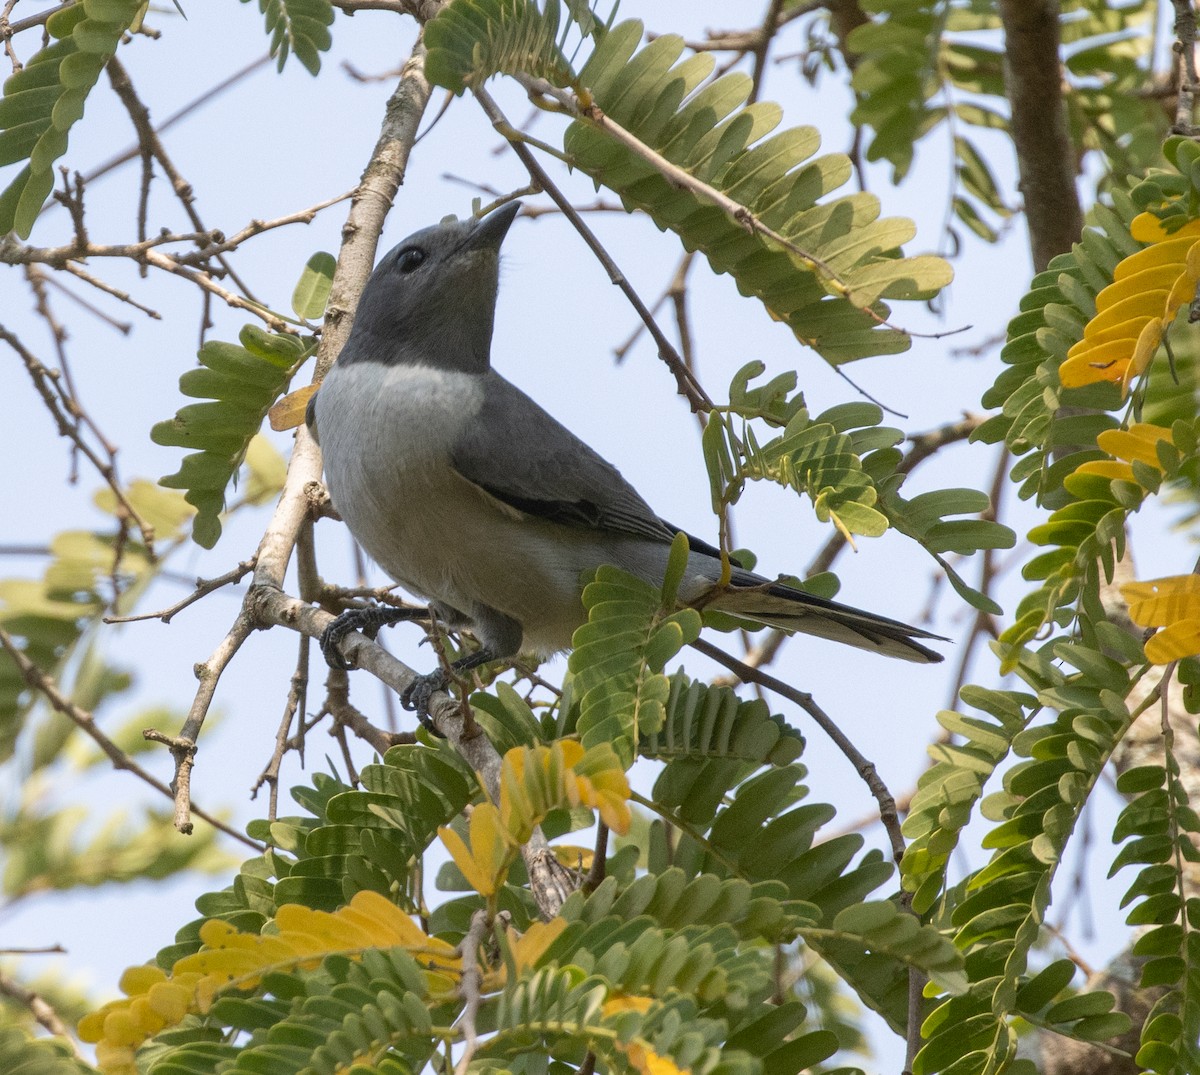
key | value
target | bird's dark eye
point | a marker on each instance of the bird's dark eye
(410, 259)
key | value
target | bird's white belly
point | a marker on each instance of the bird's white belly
(386, 435)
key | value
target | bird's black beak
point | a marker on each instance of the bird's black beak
(490, 230)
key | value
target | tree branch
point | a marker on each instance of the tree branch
(1045, 156)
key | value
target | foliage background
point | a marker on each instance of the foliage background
(558, 319)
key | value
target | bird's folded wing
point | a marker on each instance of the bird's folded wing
(523, 457)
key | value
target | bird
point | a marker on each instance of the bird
(471, 496)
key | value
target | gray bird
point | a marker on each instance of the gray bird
(470, 495)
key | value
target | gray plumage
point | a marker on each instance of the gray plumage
(470, 495)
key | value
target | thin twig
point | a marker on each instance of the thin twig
(688, 387)
(40, 1009)
(63, 407)
(82, 719)
(591, 113)
(297, 691)
(470, 987)
(183, 746)
(203, 588)
(865, 768)
(148, 138)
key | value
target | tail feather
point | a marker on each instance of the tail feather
(790, 609)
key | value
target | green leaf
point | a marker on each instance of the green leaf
(312, 289)
(299, 27)
(469, 42)
(242, 383)
(838, 258)
(46, 98)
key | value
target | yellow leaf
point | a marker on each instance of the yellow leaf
(1134, 311)
(485, 864)
(238, 960)
(465, 861)
(138, 979)
(1157, 278)
(648, 1062)
(572, 856)
(1171, 251)
(1162, 602)
(1143, 353)
(288, 413)
(1174, 643)
(626, 1002)
(533, 943)
(1129, 309)
(1107, 468)
(1139, 442)
(1147, 228)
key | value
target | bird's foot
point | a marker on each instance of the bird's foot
(366, 620)
(416, 696)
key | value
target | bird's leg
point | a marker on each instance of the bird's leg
(415, 697)
(368, 621)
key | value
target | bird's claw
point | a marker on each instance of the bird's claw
(332, 636)
(416, 696)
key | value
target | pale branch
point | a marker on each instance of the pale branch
(203, 588)
(270, 606)
(1045, 156)
(470, 987)
(41, 682)
(63, 409)
(369, 208)
(688, 387)
(40, 1009)
(1185, 51)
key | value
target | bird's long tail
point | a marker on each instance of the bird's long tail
(790, 609)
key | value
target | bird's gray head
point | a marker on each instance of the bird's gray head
(432, 299)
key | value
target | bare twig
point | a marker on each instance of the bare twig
(183, 746)
(10, 29)
(295, 703)
(63, 407)
(82, 719)
(40, 1009)
(203, 588)
(470, 987)
(152, 146)
(337, 689)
